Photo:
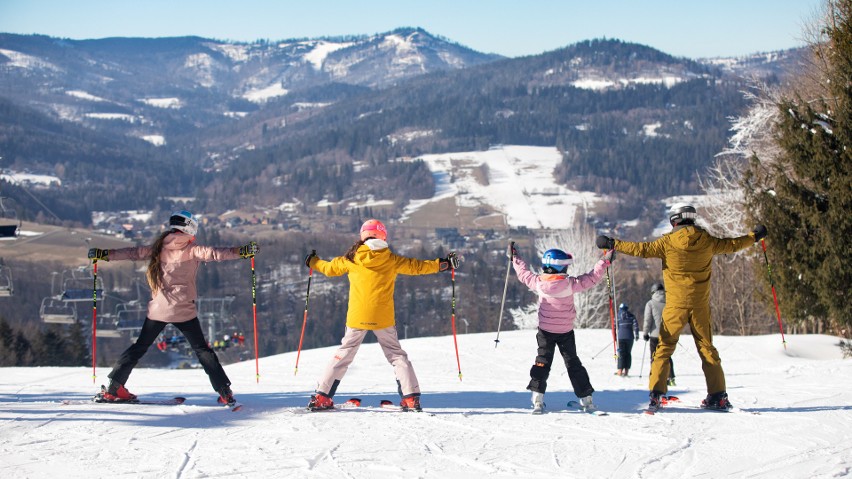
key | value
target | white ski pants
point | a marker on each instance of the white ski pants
(343, 357)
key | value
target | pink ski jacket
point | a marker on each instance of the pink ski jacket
(556, 313)
(175, 301)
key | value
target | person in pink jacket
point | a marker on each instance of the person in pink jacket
(556, 314)
(173, 262)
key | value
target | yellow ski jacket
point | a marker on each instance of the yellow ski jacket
(371, 282)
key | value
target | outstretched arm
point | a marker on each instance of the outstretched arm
(525, 276)
(413, 267)
(336, 267)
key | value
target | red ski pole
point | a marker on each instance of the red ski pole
(305, 318)
(455, 341)
(254, 314)
(774, 296)
(94, 319)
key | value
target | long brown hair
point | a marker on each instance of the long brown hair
(350, 254)
(155, 270)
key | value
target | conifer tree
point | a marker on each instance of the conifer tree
(804, 194)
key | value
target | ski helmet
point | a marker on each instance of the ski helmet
(373, 229)
(657, 287)
(556, 261)
(622, 306)
(183, 221)
(682, 213)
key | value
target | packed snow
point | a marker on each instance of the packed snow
(23, 178)
(262, 95)
(520, 185)
(794, 418)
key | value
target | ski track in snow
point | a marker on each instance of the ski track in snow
(478, 427)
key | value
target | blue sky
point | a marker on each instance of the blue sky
(689, 28)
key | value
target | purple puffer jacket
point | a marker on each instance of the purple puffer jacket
(175, 301)
(556, 313)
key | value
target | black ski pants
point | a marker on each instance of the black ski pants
(625, 355)
(547, 343)
(191, 330)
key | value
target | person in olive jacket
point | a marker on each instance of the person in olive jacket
(686, 253)
(372, 270)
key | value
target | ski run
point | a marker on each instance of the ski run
(792, 417)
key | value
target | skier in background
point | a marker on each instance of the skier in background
(653, 319)
(173, 262)
(556, 314)
(372, 270)
(628, 331)
(686, 253)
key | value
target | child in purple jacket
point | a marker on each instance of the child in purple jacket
(556, 316)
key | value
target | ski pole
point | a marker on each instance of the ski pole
(455, 341)
(305, 318)
(610, 289)
(94, 319)
(505, 287)
(602, 350)
(642, 364)
(774, 296)
(254, 314)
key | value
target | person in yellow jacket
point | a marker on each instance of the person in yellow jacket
(686, 253)
(372, 270)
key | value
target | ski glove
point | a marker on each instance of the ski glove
(249, 250)
(309, 257)
(609, 256)
(97, 253)
(451, 261)
(512, 251)
(647, 336)
(636, 338)
(759, 233)
(605, 242)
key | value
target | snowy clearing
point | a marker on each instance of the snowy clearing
(795, 419)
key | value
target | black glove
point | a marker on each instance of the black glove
(609, 255)
(309, 257)
(605, 242)
(249, 250)
(451, 261)
(647, 336)
(97, 253)
(759, 233)
(512, 251)
(636, 338)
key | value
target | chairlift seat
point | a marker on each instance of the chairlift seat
(81, 294)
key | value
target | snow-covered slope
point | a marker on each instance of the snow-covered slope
(517, 181)
(796, 418)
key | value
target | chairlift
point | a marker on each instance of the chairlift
(57, 311)
(107, 327)
(7, 288)
(214, 314)
(77, 285)
(10, 225)
(130, 316)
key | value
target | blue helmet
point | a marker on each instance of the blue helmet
(556, 261)
(622, 306)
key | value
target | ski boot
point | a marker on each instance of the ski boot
(411, 403)
(115, 393)
(671, 382)
(717, 401)
(320, 402)
(538, 402)
(587, 404)
(226, 397)
(655, 402)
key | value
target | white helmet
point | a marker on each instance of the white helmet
(682, 213)
(184, 221)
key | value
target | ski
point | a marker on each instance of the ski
(350, 403)
(175, 401)
(390, 406)
(576, 405)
